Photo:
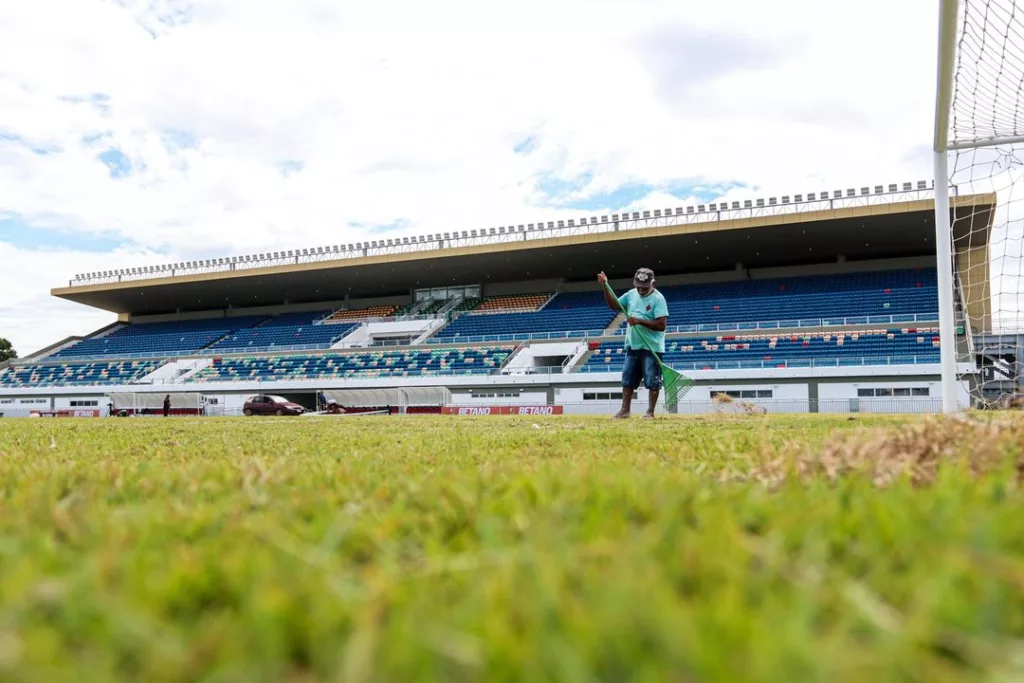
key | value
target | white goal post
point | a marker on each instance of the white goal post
(948, 16)
(979, 161)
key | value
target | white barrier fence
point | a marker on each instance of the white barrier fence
(848, 406)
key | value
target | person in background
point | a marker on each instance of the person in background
(167, 405)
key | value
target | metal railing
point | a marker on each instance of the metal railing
(782, 363)
(794, 323)
(570, 335)
(744, 407)
(402, 374)
(797, 323)
(171, 356)
(586, 225)
(374, 319)
(919, 404)
(594, 368)
(240, 350)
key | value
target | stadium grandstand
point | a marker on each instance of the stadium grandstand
(820, 302)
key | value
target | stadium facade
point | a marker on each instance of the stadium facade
(817, 302)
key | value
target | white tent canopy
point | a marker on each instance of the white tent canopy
(406, 396)
(142, 401)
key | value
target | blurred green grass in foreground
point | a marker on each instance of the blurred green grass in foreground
(463, 549)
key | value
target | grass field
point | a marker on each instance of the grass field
(460, 549)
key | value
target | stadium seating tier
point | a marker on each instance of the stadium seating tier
(910, 293)
(571, 312)
(356, 314)
(889, 293)
(407, 363)
(876, 347)
(95, 373)
(906, 293)
(166, 338)
(287, 330)
(515, 303)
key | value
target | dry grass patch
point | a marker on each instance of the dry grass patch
(917, 451)
(722, 400)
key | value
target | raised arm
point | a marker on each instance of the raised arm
(612, 302)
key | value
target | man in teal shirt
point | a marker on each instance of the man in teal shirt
(645, 307)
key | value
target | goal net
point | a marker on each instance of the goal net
(979, 144)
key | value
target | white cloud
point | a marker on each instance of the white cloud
(411, 111)
(30, 318)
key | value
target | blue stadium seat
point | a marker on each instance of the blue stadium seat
(407, 363)
(905, 296)
(168, 338)
(574, 312)
(96, 373)
(858, 295)
(722, 352)
(284, 331)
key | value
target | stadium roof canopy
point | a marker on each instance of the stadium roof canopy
(757, 237)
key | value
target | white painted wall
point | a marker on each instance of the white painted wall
(539, 349)
(397, 327)
(786, 398)
(780, 392)
(29, 401)
(527, 356)
(523, 397)
(841, 397)
(356, 337)
(64, 402)
(21, 407)
(364, 334)
(846, 390)
(176, 370)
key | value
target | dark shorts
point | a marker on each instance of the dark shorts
(641, 364)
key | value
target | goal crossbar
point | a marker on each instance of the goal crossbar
(987, 142)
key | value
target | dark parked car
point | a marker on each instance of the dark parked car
(271, 405)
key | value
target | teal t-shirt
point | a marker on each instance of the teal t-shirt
(650, 307)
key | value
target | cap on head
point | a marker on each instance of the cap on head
(643, 278)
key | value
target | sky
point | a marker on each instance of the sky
(138, 132)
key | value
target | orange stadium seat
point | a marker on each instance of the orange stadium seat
(371, 312)
(516, 303)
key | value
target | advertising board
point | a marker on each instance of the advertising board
(502, 410)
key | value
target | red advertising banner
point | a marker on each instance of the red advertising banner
(72, 412)
(502, 410)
